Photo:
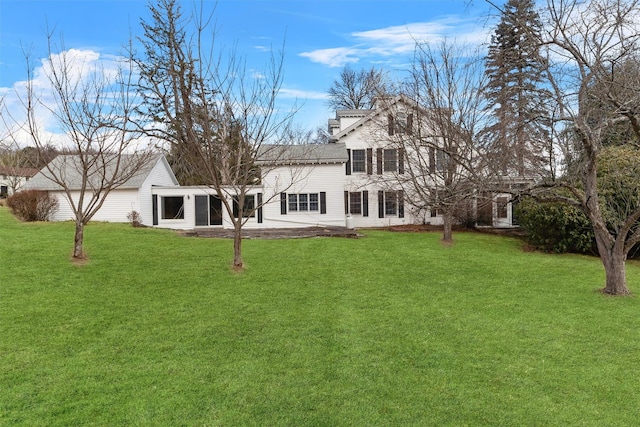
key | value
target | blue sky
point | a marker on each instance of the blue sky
(319, 36)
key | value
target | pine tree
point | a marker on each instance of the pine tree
(515, 69)
(170, 87)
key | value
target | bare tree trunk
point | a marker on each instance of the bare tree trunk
(78, 240)
(447, 233)
(616, 275)
(610, 247)
(237, 247)
(614, 260)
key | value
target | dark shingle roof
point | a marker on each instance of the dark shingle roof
(303, 154)
(16, 171)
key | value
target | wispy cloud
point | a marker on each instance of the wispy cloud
(301, 94)
(334, 57)
(399, 40)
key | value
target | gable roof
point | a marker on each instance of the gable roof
(303, 154)
(68, 167)
(368, 115)
(17, 171)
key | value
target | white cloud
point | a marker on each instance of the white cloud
(301, 94)
(399, 40)
(334, 57)
(81, 65)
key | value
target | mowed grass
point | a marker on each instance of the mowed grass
(391, 329)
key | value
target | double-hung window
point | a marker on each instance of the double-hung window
(356, 202)
(502, 207)
(438, 160)
(390, 160)
(390, 203)
(358, 161)
(313, 202)
(248, 207)
(401, 123)
(303, 202)
(293, 202)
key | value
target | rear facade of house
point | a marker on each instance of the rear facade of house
(351, 181)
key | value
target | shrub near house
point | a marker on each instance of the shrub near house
(32, 205)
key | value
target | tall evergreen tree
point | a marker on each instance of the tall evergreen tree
(170, 86)
(519, 134)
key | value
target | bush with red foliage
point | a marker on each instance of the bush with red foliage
(32, 205)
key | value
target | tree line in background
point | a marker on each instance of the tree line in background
(553, 103)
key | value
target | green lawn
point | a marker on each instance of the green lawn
(392, 329)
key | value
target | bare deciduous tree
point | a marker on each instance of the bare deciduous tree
(219, 117)
(442, 164)
(588, 44)
(357, 90)
(92, 108)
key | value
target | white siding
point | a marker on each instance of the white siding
(361, 139)
(328, 178)
(115, 208)
(11, 181)
(121, 201)
(188, 222)
(160, 175)
(318, 179)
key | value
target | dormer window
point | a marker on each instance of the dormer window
(400, 124)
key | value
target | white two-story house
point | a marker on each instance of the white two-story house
(397, 166)
(355, 180)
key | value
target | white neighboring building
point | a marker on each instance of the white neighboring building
(13, 179)
(133, 195)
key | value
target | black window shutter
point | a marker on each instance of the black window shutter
(283, 203)
(379, 161)
(155, 209)
(323, 202)
(380, 204)
(236, 207)
(410, 124)
(400, 204)
(346, 202)
(432, 160)
(390, 130)
(369, 161)
(259, 203)
(401, 160)
(365, 203)
(348, 166)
